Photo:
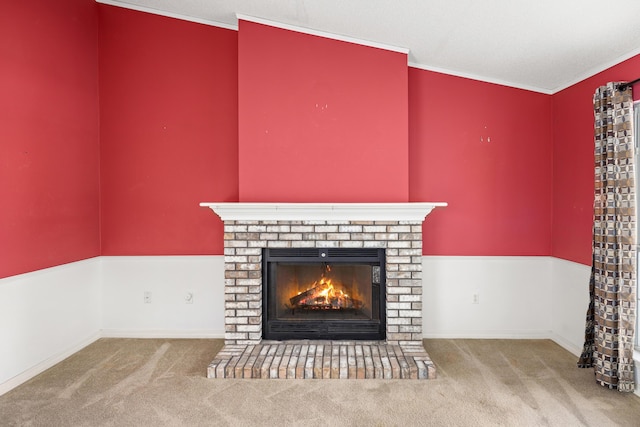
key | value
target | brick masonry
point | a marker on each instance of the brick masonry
(243, 243)
(322, 360)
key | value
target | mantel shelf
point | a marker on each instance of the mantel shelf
(236, 211)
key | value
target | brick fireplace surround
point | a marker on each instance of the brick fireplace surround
(250, 227)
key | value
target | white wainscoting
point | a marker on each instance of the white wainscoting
(513, 297)
(569, 303)
(46, 316)
(168, 278)
(518, 297)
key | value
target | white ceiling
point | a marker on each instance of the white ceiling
(541, 45)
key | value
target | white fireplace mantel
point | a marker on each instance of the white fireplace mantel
(235, 211)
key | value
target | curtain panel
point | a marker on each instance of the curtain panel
(611, 315)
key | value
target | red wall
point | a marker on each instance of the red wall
(485, 149)
(573, 156)
(49, 160)
(168, 131)
(320, 120)
(168, 104)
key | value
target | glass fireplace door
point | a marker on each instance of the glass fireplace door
(321, 294)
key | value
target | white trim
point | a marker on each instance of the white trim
(567, 262)
(590, 73)
(583, 76)
(168, 14)
(324, 34)
(162, 333)
(480, 78)
(256, 20)
(46, 364)
(49, 270)
(322, 211)
(595, 70)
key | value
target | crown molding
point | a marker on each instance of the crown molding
(480, 78)
(324, 34)
(256, 20)
(600, 68)
(168, 14)
(588, 74)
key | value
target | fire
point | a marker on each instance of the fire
(324, 294)
(329, 292)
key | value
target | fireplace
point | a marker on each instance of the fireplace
(324, 293)
(322, 290)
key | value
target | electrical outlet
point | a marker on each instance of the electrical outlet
(147, 297)
(476, 298)
(188, 298)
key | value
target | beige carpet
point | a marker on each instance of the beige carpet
(127, 382)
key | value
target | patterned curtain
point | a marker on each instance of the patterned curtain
(611, 316)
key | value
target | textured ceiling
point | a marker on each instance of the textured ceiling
(541, 45)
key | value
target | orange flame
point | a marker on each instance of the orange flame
(324, 293)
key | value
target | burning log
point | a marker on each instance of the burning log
(298, 299)
(323, 296)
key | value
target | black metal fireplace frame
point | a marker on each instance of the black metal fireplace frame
(278, 329)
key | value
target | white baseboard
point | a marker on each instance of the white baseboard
(46, 364)
(566, 344)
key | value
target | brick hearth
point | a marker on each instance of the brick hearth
(322, 360)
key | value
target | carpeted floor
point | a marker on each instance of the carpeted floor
(156, 382)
